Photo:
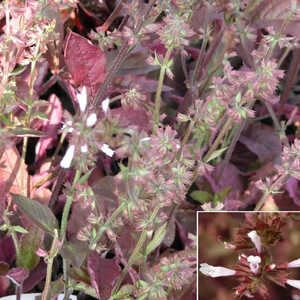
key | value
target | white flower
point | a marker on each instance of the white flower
(294, 264)
(91, 120)
(293, 283)
(68, 124)
(67, 159)
(145, 139)
(254, 262)
(105, 105)
(229, 246)
(109, 152)
(84, 148)
(248, 294)
(212, 271)
(255, 238)
(82, 99)
(272, 266)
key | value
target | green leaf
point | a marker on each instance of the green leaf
(238, 97)
(40, 214)
(40, 115)
(4, 268)
(3, 227)
(17, 70)
(221, 195)
(30, 243)
(157, 239)
(201, 196)
(19, 229)
(125, 291)
(216, 154)
(86, 288)
(25, 132)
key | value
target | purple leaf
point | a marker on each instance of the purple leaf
(133, 117)
(18, 275)
(35, 276)
(4, 267)
(263, 141)
(50, 126)
(7, 250)
(103, 273)
(230, 177)
(86, 62)
(293, 189)
(4, 285)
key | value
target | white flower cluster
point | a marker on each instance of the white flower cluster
(90, 122)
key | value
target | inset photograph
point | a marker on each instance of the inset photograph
(244, 255)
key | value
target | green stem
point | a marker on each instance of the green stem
(13, 235)
(108, 222)
(67, 207)
(135, 252)
(262, 200)
(160, 85)
(52, 255)
(218, 140)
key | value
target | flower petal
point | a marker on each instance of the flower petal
(105, 105)
(294, 264)
(91, 120)
(293, 283)
(255, 238)
(67, 159)
(82, 99)
(109, 152)
(212, 271)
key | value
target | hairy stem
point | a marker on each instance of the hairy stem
(160, 85)
(279, 181)
(67, 207)
(218, 140)
(13, 235)
(135, 252)
(115, 214)
(125, 49)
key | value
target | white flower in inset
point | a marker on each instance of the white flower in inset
(105, 105)
(82, 99)
(67, 159)
(212, 271)
(109, 152)
(255, 238)
(293, 283)
(84, 148)
(229, 246)
(248, 294)
(294, 264)
(272, 266)
(254, 262)
(91, 120)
